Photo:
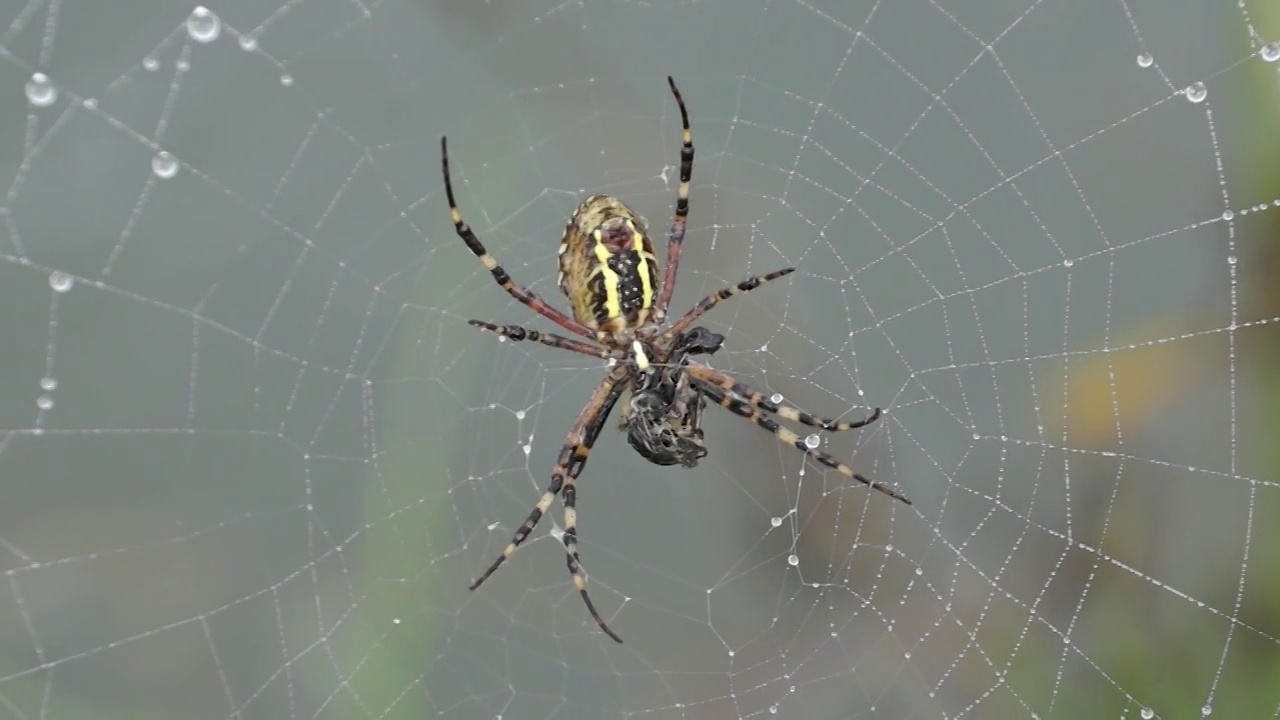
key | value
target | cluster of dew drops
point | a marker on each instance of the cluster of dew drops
(1196, 92)
(203, 26)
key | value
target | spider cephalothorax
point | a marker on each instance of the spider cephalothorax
(609, 273)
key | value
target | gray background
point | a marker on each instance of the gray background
(275, 454)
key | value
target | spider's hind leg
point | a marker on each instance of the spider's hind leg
(500, 276)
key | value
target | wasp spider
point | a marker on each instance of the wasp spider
(609, 273)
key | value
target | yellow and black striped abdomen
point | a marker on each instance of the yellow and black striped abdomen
(607, 267)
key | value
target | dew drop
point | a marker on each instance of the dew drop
(182, 66)
(793, 560)
(41, 92)
(89, 104)
(773, 709)
(60, 281)
(1232, 260)
(1206, 710)
(286, 80)
(1196, 92)
(1228, 215)
(775, 521)
(776, 397)
(150, 64)
(45, 402)
(248, 43)
(203, 26)
(1147, 713)
(1068, 262)
(1271, 51)
(49, 384)
(519, 414)
(812, 441)
(1145, 60)
(164, 165)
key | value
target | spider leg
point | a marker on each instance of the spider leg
(714, 299)
(517, 333)
(676, 236)
(517, 291)
(569, 465)
(787, 437)
(757, 399)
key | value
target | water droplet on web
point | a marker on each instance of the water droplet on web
(1068, 262)
(1228, 215)
(793, 560)
(60, 281)
(776, 397)
(773, 709)
(44, 402)
(203, 26)
(1232, 259)
(519, 414)
(775, 521)
(1206, 710)
(150, 64)
(48, 383)
(1145, 60)
(182, 66)
(1196, 92)
(89, 103)
(286, 80)
(41, 92)
(248, 43)
(164, 165)
(812, 441)
(1271, 51)
(1147, 713)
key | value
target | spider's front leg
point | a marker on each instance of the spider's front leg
(788, 437)
(756, 398)
(564, 478)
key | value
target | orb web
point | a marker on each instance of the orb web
(254, 455)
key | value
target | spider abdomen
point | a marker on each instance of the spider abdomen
(607, 267)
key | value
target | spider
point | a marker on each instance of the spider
(609, 274)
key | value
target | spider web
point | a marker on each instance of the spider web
(252, 454)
